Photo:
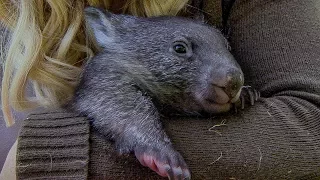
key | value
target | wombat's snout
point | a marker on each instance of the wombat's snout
(222, 88)
(225, 87)
(234, 82)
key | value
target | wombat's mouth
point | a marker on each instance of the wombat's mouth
(215, 99)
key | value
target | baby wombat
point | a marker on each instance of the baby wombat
(147, 65)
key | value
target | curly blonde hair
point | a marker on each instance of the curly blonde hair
(48, 47)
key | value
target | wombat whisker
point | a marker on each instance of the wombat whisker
(201, 93)
(199, 10)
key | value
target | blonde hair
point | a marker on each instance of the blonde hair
(48, 46)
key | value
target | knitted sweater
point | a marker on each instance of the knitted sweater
(277, 44)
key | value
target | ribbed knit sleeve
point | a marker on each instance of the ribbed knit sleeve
(53, 145)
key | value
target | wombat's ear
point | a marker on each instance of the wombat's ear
(99, 24)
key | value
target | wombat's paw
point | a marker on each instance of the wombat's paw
(248, 95)
(165, 161)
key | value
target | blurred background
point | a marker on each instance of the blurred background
(7, 135)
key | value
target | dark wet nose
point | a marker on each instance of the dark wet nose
(235, 80)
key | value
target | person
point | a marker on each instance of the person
(275, 42)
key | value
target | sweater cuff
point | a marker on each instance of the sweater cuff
(53, 145)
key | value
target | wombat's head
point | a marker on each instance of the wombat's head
(181, 62)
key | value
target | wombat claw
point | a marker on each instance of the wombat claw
(248, 94)
(165, 161)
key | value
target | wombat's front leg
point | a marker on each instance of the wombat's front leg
(128, 117)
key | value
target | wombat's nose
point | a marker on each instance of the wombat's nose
(234, 82)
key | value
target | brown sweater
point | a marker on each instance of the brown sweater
(277, 43)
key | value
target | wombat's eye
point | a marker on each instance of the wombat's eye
(180, 48)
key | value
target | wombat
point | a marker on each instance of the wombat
(147, 66)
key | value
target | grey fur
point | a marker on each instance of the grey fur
(138, 73)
